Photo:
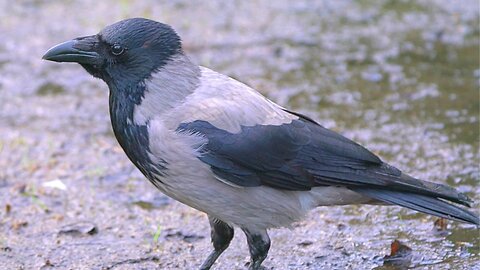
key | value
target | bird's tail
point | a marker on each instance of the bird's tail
(428, 204)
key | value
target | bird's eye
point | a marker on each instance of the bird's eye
(117, 49)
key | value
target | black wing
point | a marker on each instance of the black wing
(290, 156)
(301, 155)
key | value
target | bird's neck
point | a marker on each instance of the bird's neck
(164, 89)
(132, 108)
(167, 88)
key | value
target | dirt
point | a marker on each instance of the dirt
(400, 77)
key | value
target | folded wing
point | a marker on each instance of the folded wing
(301, 155)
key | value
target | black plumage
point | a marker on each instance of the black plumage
(302, 155)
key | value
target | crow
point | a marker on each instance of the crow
(219, 146)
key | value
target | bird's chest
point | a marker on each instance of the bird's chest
(184, 174)
(168, 158)
(133, 138)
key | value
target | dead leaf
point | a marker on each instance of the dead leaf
(400, 254)
(57, 217)
(17, 224)
(440, 224)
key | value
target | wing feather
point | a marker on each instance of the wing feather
(301, 155)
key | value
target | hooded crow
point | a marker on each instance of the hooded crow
(219, 146)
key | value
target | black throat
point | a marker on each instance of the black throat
(133, 138)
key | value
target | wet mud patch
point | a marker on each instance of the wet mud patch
(50, 89)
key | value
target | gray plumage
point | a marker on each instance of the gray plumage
(219, 146)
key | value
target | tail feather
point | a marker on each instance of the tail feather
(438, 190)
(422, 203)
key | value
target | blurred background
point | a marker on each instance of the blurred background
(400, 77)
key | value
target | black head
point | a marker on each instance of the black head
(123, 53)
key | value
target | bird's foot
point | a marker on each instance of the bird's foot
(255, 266)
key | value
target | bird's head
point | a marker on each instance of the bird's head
(123, 53)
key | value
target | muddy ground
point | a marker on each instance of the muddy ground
(400, 77)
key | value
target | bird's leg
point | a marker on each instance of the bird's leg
(221, 234)
(259, 244)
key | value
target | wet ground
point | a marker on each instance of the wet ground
(400, 77)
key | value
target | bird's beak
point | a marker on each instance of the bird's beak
(79, 50)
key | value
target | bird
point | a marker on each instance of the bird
(219, 146)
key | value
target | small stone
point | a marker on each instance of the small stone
(80, 228)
